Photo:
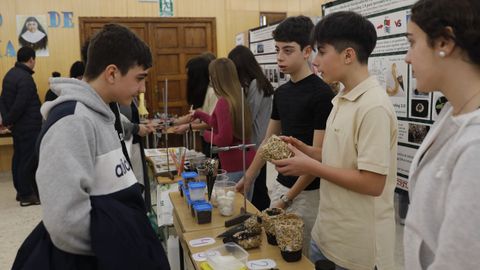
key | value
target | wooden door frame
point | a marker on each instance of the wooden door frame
(83, 20)
(149, 21)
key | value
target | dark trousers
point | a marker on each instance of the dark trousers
(260, 198)
(24, 164)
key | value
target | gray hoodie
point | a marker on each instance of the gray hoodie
(442, 229)
(80, 156)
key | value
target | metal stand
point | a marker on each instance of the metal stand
(244, 215)
(165, 120)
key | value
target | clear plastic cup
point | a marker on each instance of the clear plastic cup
(197, 191)
(202, 170)
(221, 176)
(202, 174)
(224, 195)
(197, 162)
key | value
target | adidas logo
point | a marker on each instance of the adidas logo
(122, 168)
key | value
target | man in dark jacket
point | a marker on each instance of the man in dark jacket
(22, 114)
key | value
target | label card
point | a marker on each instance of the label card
(202, 256)
(261, 264)
(200, 242)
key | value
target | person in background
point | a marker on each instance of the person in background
(22, 114)
(258, 92)
(209, 56)
(200, 95)
(226, 118)
(49, 96)
(443, 220)
(77, 69)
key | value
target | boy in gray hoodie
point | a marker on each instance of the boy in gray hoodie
(93, 212)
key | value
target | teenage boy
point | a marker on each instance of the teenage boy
(355, 225)
(93, 211)
(300, 109)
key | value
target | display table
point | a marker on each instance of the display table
(187, 229)
(265, 251)
(184, 222)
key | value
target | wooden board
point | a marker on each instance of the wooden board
(186, 223)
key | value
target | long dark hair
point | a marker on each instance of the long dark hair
(197, 81)
(248, 69)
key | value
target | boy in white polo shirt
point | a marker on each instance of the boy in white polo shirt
(355, 225)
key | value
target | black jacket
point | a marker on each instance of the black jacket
(21, 101)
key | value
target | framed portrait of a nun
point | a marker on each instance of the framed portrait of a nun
(32, 33)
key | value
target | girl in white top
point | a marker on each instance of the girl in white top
(442, 225)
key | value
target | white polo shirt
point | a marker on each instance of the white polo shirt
(353, 230)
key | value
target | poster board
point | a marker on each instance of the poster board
(415, 111)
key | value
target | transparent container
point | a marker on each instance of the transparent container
(224, 195)
(197, 191)
(202, 173)
(219, 178)
(228, 256)
(197, 162)
(221, 172)
(201, 170)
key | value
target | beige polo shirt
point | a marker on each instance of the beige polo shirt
(353, 230)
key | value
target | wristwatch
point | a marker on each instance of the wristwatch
(286, 200)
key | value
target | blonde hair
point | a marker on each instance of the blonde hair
(226, 84)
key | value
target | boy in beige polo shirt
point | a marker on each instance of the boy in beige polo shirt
(355, 225)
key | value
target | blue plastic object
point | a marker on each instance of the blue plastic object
(197, 185)
(189, 175)
(204, 206)
(203, 212)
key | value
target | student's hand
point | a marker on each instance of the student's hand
(144, 129)
(185, 119)
(244, 184)
(296, 165)
(191, 114)
(278, 204)
(181, 129)
(305, 148)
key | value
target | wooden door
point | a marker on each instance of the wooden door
(173, 44)
(173, 41)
